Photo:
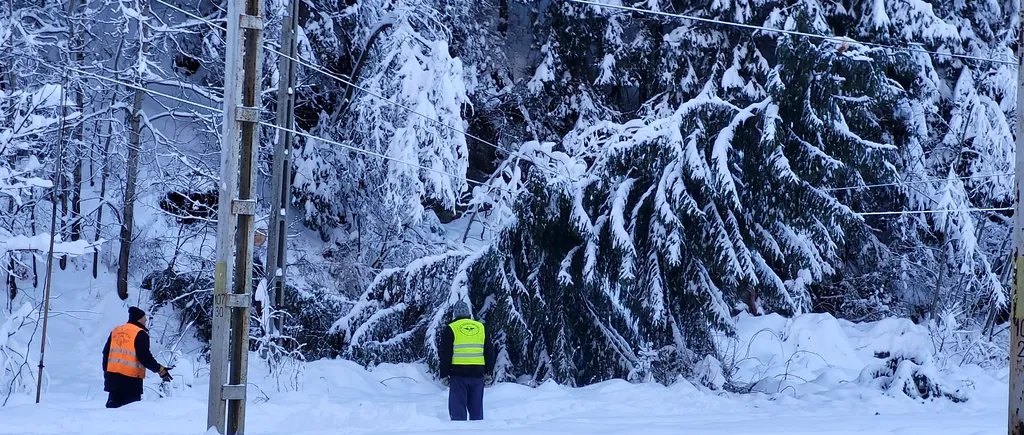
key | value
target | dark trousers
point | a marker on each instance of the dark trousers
(117, 399)
(465, 394)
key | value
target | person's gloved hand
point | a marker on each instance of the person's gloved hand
(488, 380)
(444, 381)
(165, 375)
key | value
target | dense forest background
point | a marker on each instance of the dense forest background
(608, 189)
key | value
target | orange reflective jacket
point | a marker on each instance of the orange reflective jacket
(122, 358)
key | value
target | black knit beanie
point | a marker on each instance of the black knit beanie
(134, 314)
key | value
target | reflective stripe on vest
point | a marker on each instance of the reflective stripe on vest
(122, 358)
(468, 349)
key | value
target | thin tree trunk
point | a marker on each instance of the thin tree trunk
(503, 17)
(10, 204)
(383, 25)
(76, 190)
(74, 45)
(63, 215)
(12, 284)
(99, 210)
(128, 214)
(12, 280)
(105, 168)
(77, 6)
(103, 195)
(938, 282)
(1004, 278)
(35, 265)
(959, 286)
(11, 77)
(134, 144)
(92, 155)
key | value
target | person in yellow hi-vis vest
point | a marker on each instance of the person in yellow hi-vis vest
(466, 356)
(126, 357)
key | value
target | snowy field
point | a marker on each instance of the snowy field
(340, 398)
(809, 370)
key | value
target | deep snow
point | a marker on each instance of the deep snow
(808, 369)
(341, 398)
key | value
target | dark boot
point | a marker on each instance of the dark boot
(117, 400)
(114, 400)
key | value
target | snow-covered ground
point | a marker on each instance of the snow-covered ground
(339, 397)
(808, 367)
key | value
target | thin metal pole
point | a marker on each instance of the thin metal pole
(1016, 422)
(58, 179)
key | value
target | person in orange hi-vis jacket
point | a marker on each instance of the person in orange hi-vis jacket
(126, 357)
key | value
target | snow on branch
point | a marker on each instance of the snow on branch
(40, 243)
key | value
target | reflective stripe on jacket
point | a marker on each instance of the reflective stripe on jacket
(122, 358)
(468, 347)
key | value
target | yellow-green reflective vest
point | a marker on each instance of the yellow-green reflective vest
(468, 349)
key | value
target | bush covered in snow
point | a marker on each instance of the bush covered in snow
(911, 374)
(191, 296)
(307, 315)
(16, 328)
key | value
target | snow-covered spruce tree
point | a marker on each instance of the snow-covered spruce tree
(398, 317)
(400, 308)
(384, 213)
(960, 134)
(559, 93)
(729, 198)
(716, 198)
(977, 145)
(499, 42)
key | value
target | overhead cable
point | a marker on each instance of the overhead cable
(347, 81)
(306, 135)
(908, 183)
(966, 210)
(789, 32)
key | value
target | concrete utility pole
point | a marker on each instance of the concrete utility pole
(277, 249)
(236, 206)
(1016, 426)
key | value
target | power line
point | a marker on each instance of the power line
(132, 86)
(417, 113)
(790, 32)
(306, 135)
(414, 111)
(266, 42)
(908, 183)
(376, 154)
(347, 80)
(965, 210)
(467, 180)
